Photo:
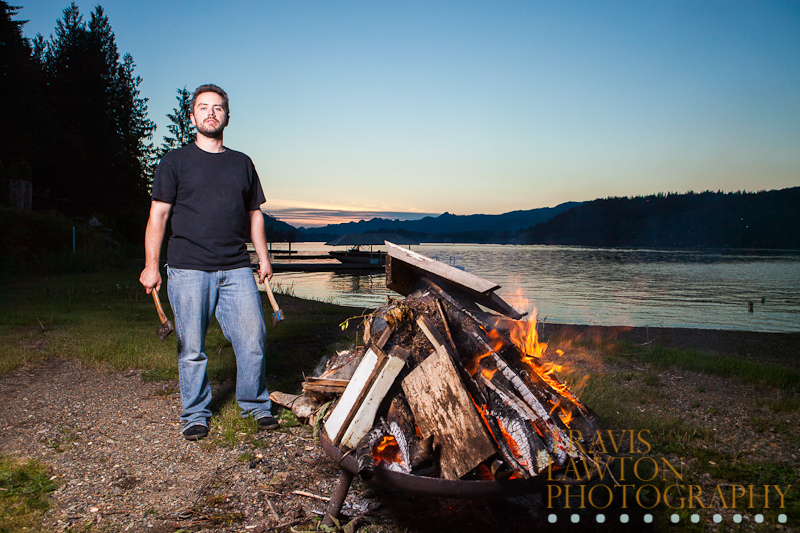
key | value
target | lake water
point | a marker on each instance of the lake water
(610, 287)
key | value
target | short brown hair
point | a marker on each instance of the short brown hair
(210, 88)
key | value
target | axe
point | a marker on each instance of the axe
(166, 326)
(277, 316)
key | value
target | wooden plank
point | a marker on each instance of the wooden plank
(328, 381)
(351, 398)
(447, 272)
(325, 386)
(442, 408)
(365, 414)
(495, 303)
(381, 342)
(436, 339)
(443, 315)
(491, 301)
(323, 390)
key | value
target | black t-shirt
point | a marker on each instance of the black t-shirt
(211, 195)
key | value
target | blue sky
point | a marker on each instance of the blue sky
(401, 109)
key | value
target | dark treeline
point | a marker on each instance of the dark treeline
(768, 219)
(278, 231)
(76, 125)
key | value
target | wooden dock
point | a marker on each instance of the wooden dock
(325, 267)
(301, 257)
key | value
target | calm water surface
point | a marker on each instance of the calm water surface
(603, 286)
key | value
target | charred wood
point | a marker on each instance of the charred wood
(446, 324)
(418, 451)
(528, 450)
(364, 459)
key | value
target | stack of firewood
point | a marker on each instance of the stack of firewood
(450, 382)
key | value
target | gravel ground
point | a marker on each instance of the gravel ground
(114, 443)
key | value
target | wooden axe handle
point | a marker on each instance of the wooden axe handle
(160, 310)
(271, 297)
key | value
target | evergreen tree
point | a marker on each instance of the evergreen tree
(181, 127)
(17, 91)
(183, 133)
(93, 159)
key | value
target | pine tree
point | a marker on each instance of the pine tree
(94, 157)
(183, 133)
(181, 126)
(17, 90)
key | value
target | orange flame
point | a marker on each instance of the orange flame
(387, 451)
(473, 366)
(526, 339)
(484, 473)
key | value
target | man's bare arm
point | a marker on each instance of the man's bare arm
(153, 237)
(259, 237)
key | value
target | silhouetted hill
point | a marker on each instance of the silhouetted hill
(767, 219)
(458, 228)
(278, 231)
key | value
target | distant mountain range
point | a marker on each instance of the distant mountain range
(766, 219)
(446, 227)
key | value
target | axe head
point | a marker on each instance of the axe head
(277, 316)
(165, 329)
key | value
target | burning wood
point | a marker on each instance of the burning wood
(462, 393)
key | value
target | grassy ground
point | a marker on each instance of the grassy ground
(619, 396)
(106, 320)
(24, 487)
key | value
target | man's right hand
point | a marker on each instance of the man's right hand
(153, 235)
(151, 279)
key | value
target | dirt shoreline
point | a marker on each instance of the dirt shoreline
(114, 445)
(779, 348)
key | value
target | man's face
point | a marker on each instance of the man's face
(209, 115)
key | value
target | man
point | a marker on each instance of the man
(213, 194)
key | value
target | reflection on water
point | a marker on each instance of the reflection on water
(604, 286)
(356, 290)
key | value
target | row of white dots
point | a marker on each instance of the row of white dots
(648, 518)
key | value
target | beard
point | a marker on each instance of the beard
(213, 132)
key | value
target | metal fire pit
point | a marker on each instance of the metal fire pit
(427, 486)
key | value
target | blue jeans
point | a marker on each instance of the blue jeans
(194, 296)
